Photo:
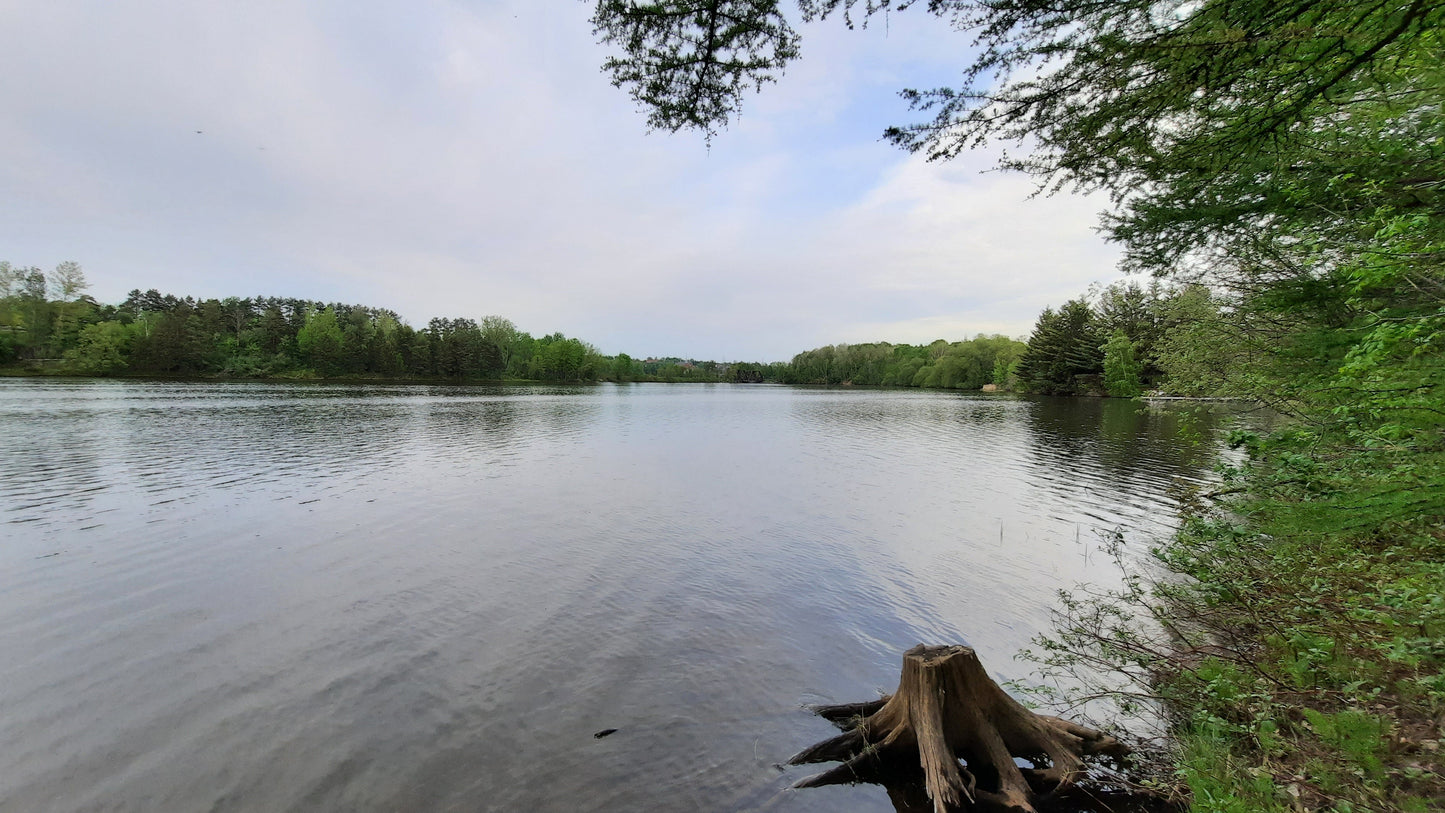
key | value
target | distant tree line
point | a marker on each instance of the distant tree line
(48, 324)
(1117, 341)
(967, 365)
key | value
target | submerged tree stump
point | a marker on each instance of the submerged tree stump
(947, 708)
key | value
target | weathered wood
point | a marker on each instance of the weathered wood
(947, 708)
(846, 713)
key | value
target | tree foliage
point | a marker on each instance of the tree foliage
(319, 340)
(688, 62)
(1063, 355)
(155, 334)
(1121, 368)
(965, 365)
(1104, 91)
(102, 349)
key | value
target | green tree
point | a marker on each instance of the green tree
(357, 336)
(1107, 92)
(1202, 351)
(36, 315)
(71, 309)
(170, 343)
(958, 365)
(1137, 311)
(320, 341)
(1121, 369)
(622, 368)
(458, 348)
(274, 331)
(103, 348)
(12, 323)
(1001, 370)
(239, 315)
(502, 335)
(1063, 355)
(419, 354)
(387, 339)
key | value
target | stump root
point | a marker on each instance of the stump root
(947, 708)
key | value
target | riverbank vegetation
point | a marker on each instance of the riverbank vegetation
(1284, 163)
(1114, 342)
(49, 326)
(965, 365)
(1129, 338)
(1119, 341)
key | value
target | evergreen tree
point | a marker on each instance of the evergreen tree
(1063, 355)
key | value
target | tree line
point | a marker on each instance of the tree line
(48, 324)
(1118, 341)
(1130, 338)
(968, 365)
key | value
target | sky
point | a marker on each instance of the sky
(461, 159)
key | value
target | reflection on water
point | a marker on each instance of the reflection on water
(308, 597)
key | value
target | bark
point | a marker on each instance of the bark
(947, 708)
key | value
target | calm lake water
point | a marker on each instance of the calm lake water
(272, 597)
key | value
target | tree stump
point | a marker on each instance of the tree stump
(947, 708)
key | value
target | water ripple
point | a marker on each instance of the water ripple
(334, 597)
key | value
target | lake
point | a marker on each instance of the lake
(271, 597)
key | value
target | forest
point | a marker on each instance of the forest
(966, 365)
(48, 325)
(1121, 341)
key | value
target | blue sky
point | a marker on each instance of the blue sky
(468, 158)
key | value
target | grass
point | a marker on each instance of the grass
(1297, 645)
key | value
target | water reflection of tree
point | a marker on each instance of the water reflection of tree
(1122, 439)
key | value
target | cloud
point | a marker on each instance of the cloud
(461, 159)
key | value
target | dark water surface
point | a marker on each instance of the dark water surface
(268, 597)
